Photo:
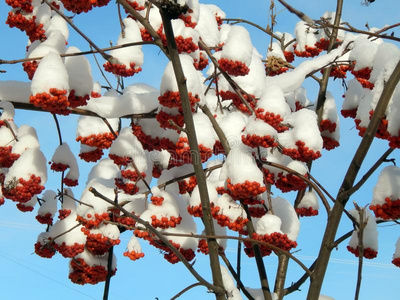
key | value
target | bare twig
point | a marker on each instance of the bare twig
(298, 13)
(185, 290)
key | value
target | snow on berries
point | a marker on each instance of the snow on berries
(363, 54)
(88, 269)
(228, 213)
(272, 108)
(329, 125)
(169, 92)
(26, 177)
(306, 38)
(303, 141)
(94, 132)
(62, 158)
(242, 183)
(237, 52)
(80, 78)
(386, 195)
(396, 255)
(48, 208)
(194, 205)
(257, 133)
(370, 235)
(126, 61)
(67, 237)
(134, 250)
(44, 247)
(54, 43)
(165, 215)
(308, 205)
(100, 240)
(50, 85)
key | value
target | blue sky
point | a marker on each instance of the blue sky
(24, 274)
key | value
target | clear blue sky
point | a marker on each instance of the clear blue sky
(25, 275)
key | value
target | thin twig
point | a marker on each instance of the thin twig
(185, 290)
(298, 13)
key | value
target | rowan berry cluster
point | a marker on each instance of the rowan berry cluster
(55, 101)
(368, 252)
(302, 153)
(121, 69)
(234, 68)
(244, 190)
(23, 190)
(390, 210)
(277, 239)
(69, 251)
(91, 156)
(306, 212)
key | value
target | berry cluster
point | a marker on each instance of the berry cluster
(225, 221)
(163, 119)
(277, 239)
(80, 6)
(70, 182)
(275, 120)
(185, 155)
(187, 186)
(120, 161)
(363, 76)
(146, 36)
(171, 256)
(195, 211)
(257, 211)
(24, 190)
(63, 213)
(184, 45)
(237, 102)
(306, 212)
(45, 219)
(234, 68)
(390, 210)
(90, 221)
(98, 244)
(121, 69)
(69, 251)
(367, 253)
(289, 56)
(132, 175)
(255, 141)
(91, 156)
(329, 143)
(21, 206)
(290, 182)
(7, 158)
(59, 167)
(165, 222)
(82, 273)
(327, 125)
(157, 200)
(302, 153)
(133, 255)
(128, 187)
(75, 101)
(100, 140)
(396, 261)
(55, 101)
(27, 23)
(201, 63)
(45, 250)
(244, 190)
(30, 68)
(309, 51)
(172, 99)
